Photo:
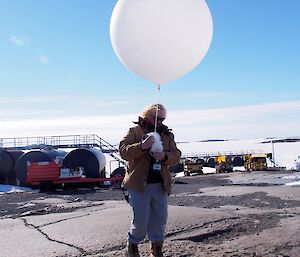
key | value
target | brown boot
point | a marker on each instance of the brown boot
(156, 249)
(132, 250)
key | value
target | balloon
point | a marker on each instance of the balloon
(161, 40)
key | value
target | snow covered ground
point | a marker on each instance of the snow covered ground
(12, 189)
(295, 177)
(285, 154)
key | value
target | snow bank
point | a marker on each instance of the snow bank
(295, 177)
(12, 189)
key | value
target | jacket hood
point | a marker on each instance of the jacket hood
(150, 128)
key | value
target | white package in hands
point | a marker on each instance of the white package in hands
(157, 146)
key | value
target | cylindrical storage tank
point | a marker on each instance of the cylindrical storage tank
(120, 171)
(92, 160)
(211, 162)
(200, 160)
(177, 168)
(12, 175)
(35, 156)
(237, 161)
(6, 165)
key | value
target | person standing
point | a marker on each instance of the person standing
(148, 179)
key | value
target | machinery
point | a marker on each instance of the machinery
(48, 175)
(223, 163)
(190, 167)
(257, 161)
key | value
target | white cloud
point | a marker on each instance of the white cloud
(257, 121)
(272, 119)
(43, 59)
(108, 127)
(235, 114)
(18, 41)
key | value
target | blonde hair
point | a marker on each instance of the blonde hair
(151, 109)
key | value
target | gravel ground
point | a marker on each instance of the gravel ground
(255, 213)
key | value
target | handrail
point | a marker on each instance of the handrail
(64, 141)
(221, 153)
(67, 141)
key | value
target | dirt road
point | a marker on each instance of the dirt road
(235, 214)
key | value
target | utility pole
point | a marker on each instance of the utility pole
(273, 154)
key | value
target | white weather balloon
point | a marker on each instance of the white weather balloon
(161, 40)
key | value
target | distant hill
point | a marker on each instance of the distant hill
(203, 141)
(212, 140)
(282, 140)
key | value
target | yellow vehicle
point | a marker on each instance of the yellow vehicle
(192, 167)
(223, 164)
(257, 161)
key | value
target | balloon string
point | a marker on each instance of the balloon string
(156, 113)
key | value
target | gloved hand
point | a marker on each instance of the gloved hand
(147, 142)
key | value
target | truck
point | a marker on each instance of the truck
(191, 167)
(257, 161)
(223, 164)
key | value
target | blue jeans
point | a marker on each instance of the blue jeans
(150, 213)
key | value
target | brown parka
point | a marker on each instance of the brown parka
(138, 161)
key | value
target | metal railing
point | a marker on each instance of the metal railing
(223, 153)
(66, 141)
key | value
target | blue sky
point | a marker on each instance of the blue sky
(60, 75)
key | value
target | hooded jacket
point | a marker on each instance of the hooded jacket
(138, 160)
